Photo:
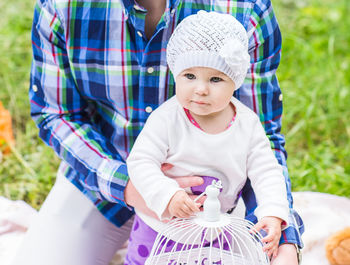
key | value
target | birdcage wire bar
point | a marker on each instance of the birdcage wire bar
(193, 243)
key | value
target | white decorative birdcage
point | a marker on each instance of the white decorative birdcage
(209, 238)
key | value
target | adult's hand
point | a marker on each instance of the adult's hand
(287, 255)
(133, 198)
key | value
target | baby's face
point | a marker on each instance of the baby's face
(204, 91)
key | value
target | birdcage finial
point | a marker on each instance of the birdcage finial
(212, 204)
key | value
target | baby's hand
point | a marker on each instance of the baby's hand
(182, 206)
(272, 225)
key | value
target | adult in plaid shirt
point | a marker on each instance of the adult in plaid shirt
(98, 71)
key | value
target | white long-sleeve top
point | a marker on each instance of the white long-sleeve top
(242, 151)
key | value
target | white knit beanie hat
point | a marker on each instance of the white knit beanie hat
(210, 39)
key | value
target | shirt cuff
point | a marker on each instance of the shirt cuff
(292, 234)
(275, 211)
(112, 179)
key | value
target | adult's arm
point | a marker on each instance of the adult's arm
(261, 92)
(63, 116)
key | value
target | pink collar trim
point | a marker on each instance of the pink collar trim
(195, 123)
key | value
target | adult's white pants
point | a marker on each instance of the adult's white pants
(69, 230)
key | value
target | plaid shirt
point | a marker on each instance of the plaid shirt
(95, 78)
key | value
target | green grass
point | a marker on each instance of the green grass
(315, 79)
(29, 172)
(314, 76)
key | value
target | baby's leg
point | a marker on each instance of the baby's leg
(141, 241)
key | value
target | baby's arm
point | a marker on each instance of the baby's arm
(273, 226)
(145, 161)
(182, 206)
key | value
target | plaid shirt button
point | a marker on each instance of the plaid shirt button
(138, 8)
(148, 109)
(150, 70)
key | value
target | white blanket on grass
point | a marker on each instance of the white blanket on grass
(323, 214)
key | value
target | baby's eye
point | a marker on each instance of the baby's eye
(216, 79)
(190, 76)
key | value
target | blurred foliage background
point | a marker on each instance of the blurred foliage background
(314, 75)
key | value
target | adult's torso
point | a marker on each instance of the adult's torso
(121, 72)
